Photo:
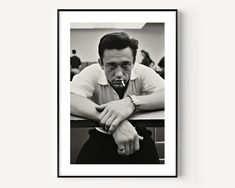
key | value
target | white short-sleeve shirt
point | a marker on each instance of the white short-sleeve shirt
(91, 83)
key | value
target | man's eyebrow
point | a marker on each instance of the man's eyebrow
(115, 63)
(126, 62)
(110, 63)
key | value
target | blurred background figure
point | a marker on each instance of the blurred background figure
(161, 68)
(75, 64)
(147, 61)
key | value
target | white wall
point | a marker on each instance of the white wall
(150, 38)
(28, 94)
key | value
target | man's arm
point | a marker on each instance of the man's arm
(113, 113)
(125, 136)
(154, 101)
(82, 106)
(152, 98)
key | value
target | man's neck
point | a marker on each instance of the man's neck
(121, 91)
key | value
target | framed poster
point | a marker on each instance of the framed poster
(117, 98)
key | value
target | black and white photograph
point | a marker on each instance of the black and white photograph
(117, 99)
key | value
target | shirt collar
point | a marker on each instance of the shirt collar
(102, 80)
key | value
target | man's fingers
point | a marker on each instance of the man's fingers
(102, 114)
(100, 108)
(105, 117)
(140, 137)
(114, 125)
(136, 144)
(121, 150)
(104, 120)
(127, 148)
(131, 144)
(110, 121)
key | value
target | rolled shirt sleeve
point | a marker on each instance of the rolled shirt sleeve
(151, 81)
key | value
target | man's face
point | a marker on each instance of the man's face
(117, 65)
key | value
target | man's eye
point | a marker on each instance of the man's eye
(125, 66)
(111, 66)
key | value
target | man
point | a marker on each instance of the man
(108, 93)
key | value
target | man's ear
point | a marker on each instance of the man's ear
(101, 63)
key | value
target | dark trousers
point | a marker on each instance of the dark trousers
(102, 149)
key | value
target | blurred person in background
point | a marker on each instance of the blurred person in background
(147, 61)
(161, 67)
(75, 64)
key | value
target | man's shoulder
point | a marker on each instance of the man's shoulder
(91, 72)
(142, 69)
(88, 76)
(93, 68)
(139, 65)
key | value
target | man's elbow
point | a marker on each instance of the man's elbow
(74, 100)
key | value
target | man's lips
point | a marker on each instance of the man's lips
(119, 82)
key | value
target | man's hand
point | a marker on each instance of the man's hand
(126, 138)
(114, 112)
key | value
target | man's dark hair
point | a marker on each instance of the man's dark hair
(117, 40)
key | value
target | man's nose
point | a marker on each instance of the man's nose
(118, 72)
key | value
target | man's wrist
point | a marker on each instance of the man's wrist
(96, 114)
(130, 104)
(134, 101)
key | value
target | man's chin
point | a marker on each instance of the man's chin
(118, 86)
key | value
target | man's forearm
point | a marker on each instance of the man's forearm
(83, 107)
(153, 101)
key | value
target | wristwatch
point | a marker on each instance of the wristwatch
(135, 102)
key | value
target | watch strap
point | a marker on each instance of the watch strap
(134, 101)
